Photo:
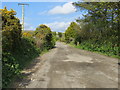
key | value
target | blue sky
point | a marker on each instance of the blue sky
(56, 15)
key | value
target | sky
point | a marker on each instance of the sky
(56, 15)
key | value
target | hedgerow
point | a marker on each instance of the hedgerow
(20, 48)
(17, 51)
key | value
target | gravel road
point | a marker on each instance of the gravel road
(68, 67)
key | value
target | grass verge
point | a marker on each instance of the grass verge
(102, 53)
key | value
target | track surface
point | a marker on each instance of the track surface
(68, 67)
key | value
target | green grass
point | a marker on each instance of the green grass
(104, 50)
(44, 51)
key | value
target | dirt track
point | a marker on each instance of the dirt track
(68, 67)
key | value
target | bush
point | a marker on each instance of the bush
(14, 62)
(11, 29)
(106, 48)
(17, 51)
(9, 68)
(44, 37)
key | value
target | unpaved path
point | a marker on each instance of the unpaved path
(68, 67)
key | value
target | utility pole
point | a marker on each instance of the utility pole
(22, 14)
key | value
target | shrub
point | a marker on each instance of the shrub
(17, 51)
(44, 37)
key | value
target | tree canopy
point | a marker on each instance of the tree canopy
(72, 32)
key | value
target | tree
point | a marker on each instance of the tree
(44, 37)
(99, 27)
(72, 32)
(59, 34)
(102, 20)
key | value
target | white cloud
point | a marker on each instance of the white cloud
(58, 26)
(65, 9)
(42, 13)
(28, 27)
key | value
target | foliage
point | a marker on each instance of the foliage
(17, 51)
(44, 37)
(72, 32)
(105, 48)
(20, 48)
(11, 29)
(14, 62)
(27, 34)
(9, 68)
(98, 29)
(54, 34)
(101, 22)
(59, 34)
